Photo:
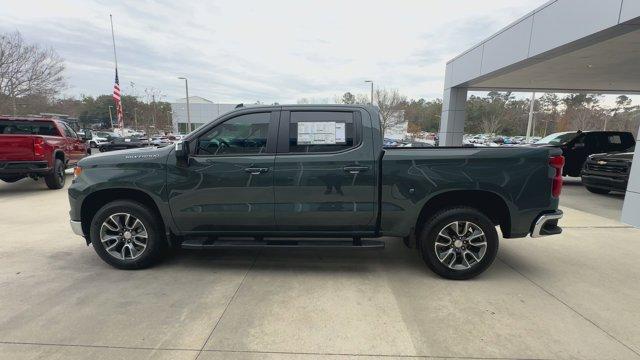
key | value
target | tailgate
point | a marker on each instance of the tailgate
(16, 148)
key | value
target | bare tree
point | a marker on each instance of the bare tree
(623, 102)
(363, 99)
(493, 119)
(550, 103)
(390, 105)
(28, 69)
(348, 98)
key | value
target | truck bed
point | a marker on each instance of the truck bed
(411, 177)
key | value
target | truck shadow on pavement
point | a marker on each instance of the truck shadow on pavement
(29, 186)
(340, 262)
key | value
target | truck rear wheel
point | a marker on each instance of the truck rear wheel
(126, 235)
(459, 243)
(55, 180)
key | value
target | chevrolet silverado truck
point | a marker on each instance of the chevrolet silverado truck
(313, 176)
(603, 173)
(38, 147)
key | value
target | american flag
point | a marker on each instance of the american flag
(116, 99)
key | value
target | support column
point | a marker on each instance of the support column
(454, 102)
(631, 207)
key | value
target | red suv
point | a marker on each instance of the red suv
(38, 147)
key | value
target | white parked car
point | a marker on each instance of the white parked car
(160, 141)
(99, 138)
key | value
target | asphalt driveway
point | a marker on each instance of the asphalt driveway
(571, 296)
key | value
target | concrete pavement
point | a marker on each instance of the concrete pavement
(577, 196)
(565, 297)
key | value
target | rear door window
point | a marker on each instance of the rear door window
(321, 131)
(46, 128)
(615, 139)
(618, 142)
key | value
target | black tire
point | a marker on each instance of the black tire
(56, 179)
(102, 149)
(597, 190)
(93, 144)
(155, 242)
(11, 179)
(438, 223)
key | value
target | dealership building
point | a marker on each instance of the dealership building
(562, 46)
(201, 111)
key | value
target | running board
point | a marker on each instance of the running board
(298, 244)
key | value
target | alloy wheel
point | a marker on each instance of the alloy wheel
(460, 245)
(123, 236)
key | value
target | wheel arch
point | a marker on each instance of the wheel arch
(59, 154)
(94, 201)
(489, 203)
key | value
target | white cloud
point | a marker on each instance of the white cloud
(261, 50)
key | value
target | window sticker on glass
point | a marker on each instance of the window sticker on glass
(341, 137)
(319, 133)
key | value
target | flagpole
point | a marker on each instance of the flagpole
(115, 58)
(113, 38)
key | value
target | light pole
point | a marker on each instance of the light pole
(530, 122)
(370, 81)
(110, 116)
(186, 89)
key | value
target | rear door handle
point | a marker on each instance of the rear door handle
(256, 170)
(355, 169)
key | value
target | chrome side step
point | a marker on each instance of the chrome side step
(286, 243)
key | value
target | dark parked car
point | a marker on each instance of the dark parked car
(578, 145)
(603, 173)
(282, 173)
(122, 144)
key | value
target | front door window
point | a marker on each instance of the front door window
(242, 135)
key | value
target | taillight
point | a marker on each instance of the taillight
(556, 162)
(38, 147)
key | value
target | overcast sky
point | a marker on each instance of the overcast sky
(243, 51)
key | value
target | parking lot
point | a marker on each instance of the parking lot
(568, 296)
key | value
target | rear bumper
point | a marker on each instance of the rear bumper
(605, 182)
(24, 167)
(547, 224)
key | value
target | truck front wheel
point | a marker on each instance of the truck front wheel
(126, 235)
(55, 180)
(459, 243)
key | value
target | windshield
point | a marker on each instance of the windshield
(558, 138)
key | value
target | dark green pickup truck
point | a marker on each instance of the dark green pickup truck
(308, 176)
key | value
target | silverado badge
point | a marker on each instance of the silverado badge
(601, 162)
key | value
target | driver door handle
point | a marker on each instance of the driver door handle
(355, 169)
(256, 170)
